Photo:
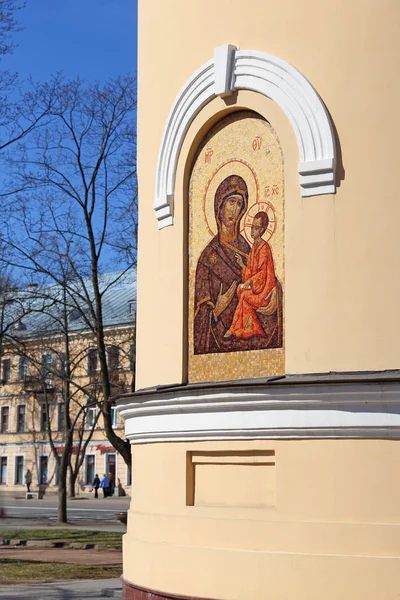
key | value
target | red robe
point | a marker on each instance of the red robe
(260, 272)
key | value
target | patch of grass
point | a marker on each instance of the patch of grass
(14, 570)
(109, 539)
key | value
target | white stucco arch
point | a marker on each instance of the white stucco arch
(230, 70)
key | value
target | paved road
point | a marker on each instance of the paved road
(79, 511)
(61, 590)
(49, 513)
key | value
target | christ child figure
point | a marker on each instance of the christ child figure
(258, 281)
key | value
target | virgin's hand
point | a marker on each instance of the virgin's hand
(224, 300)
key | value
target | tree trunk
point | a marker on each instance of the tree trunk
(122, 446)
(71, 483)
(62, 497)
(62, 482)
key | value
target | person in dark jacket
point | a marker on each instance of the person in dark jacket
(96, 485)
(28, 480)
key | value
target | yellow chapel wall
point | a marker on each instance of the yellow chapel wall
(319, 519)
(341, 251)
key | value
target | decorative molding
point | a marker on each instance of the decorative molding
(327, 411)
(230, 70)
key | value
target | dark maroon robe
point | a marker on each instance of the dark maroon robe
(217, 265)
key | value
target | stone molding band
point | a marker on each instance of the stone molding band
(230, 70)
(134, 592)
(289, 411)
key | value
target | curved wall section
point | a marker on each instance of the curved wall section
(256, 490)
(275, 518)
(259, 489)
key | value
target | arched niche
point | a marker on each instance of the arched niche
(231, 70)
(236, 181)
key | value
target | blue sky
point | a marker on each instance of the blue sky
(95, 39)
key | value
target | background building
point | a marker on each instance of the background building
(33, 367)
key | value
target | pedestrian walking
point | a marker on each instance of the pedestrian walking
(28, 480)
(96, 485)
(104, 483)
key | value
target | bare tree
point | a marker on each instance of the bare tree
(5, 300)
(49, 381)
(73, 216)
(23, 106)
(8, 24)
(11, 310)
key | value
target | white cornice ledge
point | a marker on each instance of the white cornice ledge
(230, 70)
(327, 411)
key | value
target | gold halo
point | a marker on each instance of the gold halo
(249, 216)
(233, 166)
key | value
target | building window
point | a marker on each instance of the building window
(3, 470)
(19, 470)
(5, 413)
(6, 370)
(21, 418)
(131, 307)
(90, 420)
(76, 314)
(44, 415)
(45, 368)
(22, 368)
(90, 466)
(61, 363)
(113, 358)
(92, 362)
(61, 417)
(132, 357)
(114, 417)
(43, 469)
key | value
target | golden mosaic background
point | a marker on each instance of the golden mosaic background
(243, 144)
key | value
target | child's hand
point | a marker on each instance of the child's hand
(239, 261)
(246, 285)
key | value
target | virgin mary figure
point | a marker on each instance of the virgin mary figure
(218, 274)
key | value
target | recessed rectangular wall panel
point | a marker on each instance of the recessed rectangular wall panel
(231, 479)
